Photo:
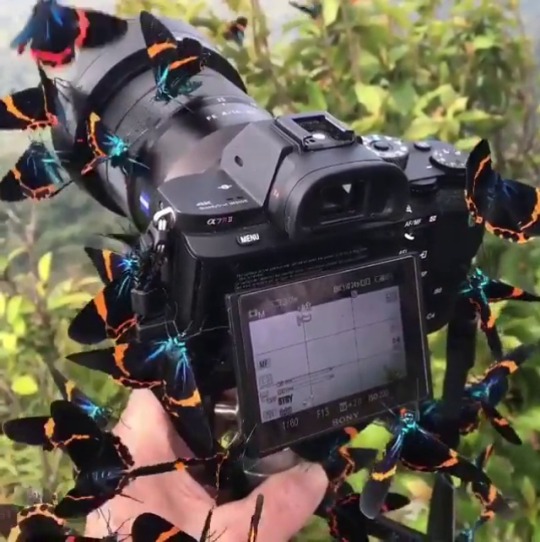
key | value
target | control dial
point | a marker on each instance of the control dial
(390, 149)
(447, 157)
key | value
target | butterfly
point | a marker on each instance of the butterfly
(110, 313)
(70, 392)
(508, 209)
(481, 291)
(336, 455)
(32, 108)
(489, 390)
(490, 498)
(106, 147)
(150, 527)
(54, 31)
(418, 450)
(347, 524)
(236, 31)
(174, 64)
(163, 366)
(38, 174)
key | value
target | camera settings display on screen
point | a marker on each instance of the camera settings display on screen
(328, 351)
(313, 352)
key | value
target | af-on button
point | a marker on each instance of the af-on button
(247, 239)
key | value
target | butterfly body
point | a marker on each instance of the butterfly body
(481, 291)
(106, 146)
(432, 419)
(53, 32)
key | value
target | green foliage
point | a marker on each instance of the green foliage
(380, 66)
(35, 311)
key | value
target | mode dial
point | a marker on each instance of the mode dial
(390, 149)
(447, 157)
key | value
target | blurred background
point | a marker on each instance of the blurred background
(411, 68)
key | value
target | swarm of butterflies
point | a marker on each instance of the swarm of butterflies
(78, 426)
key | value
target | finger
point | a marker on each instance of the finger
(290, 500)
(147, 432)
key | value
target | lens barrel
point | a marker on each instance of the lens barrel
(181, 137)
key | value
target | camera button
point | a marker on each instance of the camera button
(247, 239)
(422, 145)
(424, 186)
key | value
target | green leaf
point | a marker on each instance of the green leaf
(24, 385)
(422, 128)
(458, 106)
(13, 308)
(528, 491)
(3, 304)
(44, 267)
(316, 99)
(475, 115)
(370, 96)
(19, 327)
(330, 11)
(9, 342)
(484, 42)
(403, 97)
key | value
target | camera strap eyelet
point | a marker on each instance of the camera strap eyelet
(159, 228)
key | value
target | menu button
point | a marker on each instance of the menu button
(248, 239)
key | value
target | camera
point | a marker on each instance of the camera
(325, 256)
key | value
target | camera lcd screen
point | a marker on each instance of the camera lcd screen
(328, 351)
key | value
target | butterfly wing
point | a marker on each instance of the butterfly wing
(149, 527)
(496, 376)
(161, 45)
(182, 400)
(496, 290)
(70, 392)
(31, 178)
(54, 28)
(96, 29)
(380, 478)
(79, 502)
(77, 433)
(509, 209)
(480, 178)
(108, 315)
(38, 522)
(129, 364)
(31, 431)
(98, 139)
(501, 424)
(110, 265)
(24, 110)
(424, 452)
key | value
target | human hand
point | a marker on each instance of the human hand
(290, 497)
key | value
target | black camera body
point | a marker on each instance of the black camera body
(327, 257)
